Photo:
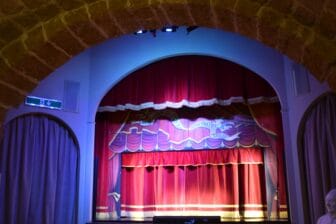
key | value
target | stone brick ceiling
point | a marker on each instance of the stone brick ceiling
(37, 36)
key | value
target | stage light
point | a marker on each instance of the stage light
(140, 32)
(169, 29)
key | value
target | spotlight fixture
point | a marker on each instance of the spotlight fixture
(191, 28)
(140, 32)
(169, 29)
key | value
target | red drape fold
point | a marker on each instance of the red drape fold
(108, 164)
(268, 117)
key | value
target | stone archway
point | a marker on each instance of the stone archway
(38, 36)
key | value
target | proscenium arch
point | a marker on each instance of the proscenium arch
(117, 58)
(114, 59)
(295, 29)
(162, 60)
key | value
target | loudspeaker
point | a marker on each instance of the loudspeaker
(300, 80)
(186, 219)
(71, 96)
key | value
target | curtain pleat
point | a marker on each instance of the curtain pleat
(39, 172)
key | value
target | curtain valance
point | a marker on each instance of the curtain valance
(191, 81)
(190, 158)
(182, 129)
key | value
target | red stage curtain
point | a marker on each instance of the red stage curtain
(197, 83)
(268, 117)
(108, 164)
(191, 81)
(227, 182)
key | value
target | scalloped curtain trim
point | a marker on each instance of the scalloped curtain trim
(175, 105)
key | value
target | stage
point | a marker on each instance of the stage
(190, 146)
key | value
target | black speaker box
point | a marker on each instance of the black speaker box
(186, 219)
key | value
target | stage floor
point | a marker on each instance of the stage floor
(150, 220)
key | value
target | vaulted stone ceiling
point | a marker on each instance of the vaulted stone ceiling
(38, 36)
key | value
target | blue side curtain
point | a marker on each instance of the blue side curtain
(38, 162)
(319, 154)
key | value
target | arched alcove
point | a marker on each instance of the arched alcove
(39, 162)
(317, 153)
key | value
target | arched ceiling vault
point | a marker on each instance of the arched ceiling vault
(38, 36)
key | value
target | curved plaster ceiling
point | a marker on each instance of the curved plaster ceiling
(38, 36)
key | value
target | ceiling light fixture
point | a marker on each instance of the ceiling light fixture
(140, 32)
(169, 29)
